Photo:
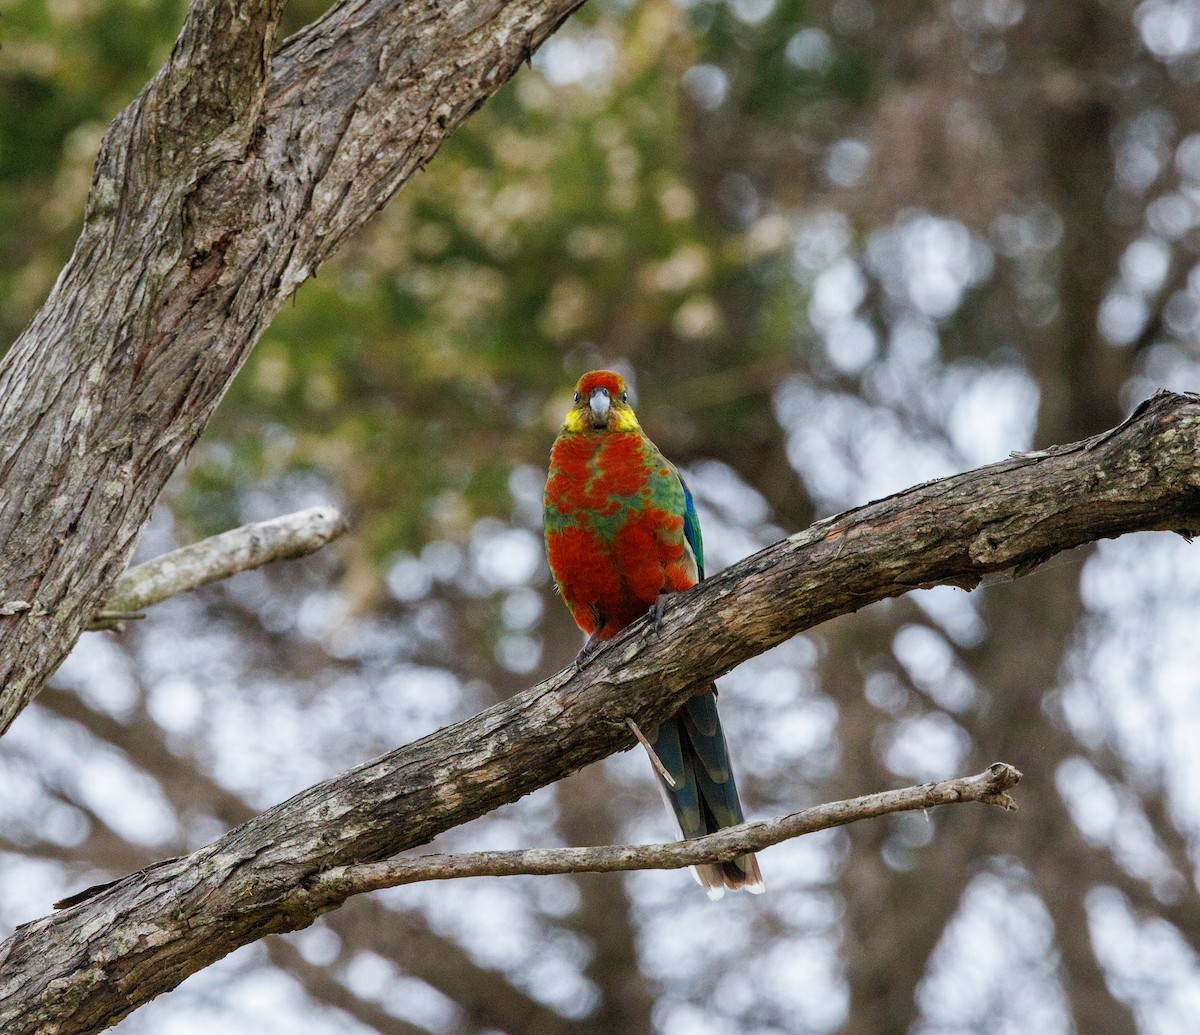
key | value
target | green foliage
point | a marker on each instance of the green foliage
(66, 69)
(566, 225)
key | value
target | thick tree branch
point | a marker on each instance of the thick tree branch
(217, 192)
(221, 556)
(486, 996)
(212, 87)
(91, 964)
(988, 787)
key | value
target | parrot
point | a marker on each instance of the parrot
(621, 535)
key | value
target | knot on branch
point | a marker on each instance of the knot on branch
(1000, 778)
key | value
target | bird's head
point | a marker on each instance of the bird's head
(601, 404)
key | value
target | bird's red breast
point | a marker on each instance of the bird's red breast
(614, 527)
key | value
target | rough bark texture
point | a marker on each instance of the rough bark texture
(217, 192)
(91, 964)
(490, 1000)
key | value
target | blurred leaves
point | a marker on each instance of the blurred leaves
(560, 228)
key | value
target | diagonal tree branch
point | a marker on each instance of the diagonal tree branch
(988, 787)
(220, 557)
(320, 985)
(487, 997)
(212, 87)
(92, 963)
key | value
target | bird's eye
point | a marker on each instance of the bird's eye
(578, 397)
(624, 397)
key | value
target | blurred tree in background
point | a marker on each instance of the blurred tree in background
(839, 248)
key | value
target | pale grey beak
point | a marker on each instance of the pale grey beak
(599, 402)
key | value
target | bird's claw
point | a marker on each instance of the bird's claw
(589, 647)
(657, 609)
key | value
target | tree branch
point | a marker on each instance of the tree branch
(322, 987)
(211, 89)
(220, 557)
(988, 787)
(487, 997)
(89, 965)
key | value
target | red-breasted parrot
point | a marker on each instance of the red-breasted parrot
(621, 532)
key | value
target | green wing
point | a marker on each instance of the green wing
(691, 526)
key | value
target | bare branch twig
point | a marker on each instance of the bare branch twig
(219, 557)
(654, 759)
(989, 787)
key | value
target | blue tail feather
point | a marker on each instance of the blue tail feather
(691, 746)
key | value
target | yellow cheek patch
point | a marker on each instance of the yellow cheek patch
(574, 421)
(623, 419)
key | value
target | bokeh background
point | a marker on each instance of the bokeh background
(838, 249)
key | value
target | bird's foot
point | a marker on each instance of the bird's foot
(589, 647)
(657, 609)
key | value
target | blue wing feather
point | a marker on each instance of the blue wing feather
(704, 799)
(710, 758)
(684, 797)
(691, 527)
